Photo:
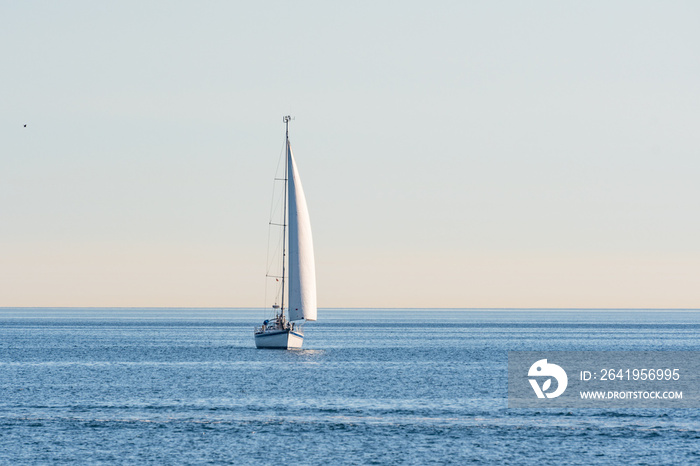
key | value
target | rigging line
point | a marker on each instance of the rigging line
(272, 209)
(267, 262)
(267, 258)
(271, 262)
(275, 211)
(277, 170)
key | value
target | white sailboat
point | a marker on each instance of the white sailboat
(285, 330)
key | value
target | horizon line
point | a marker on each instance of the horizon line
(375, 307)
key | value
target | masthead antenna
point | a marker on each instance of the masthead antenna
(286, 120)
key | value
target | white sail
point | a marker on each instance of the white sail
(302, 271)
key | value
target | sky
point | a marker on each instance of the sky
(480, 154)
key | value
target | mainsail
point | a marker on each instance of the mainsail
(302, 271)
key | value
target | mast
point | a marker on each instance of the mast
(286, 120)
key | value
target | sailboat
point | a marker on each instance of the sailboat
(298, 279)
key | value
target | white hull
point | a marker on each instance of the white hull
(279, 339)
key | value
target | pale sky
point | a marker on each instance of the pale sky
(453, 153)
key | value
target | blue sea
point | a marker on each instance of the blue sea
(419, 386)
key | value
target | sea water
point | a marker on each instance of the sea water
(187, 386)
